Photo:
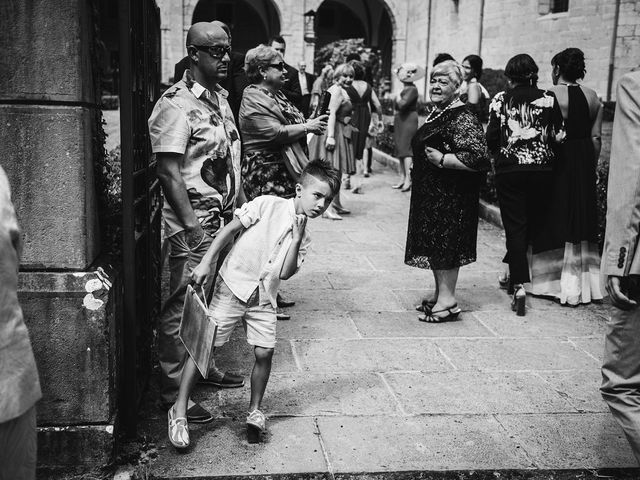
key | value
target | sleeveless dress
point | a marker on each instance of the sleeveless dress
(361, 118)
(342, 157)
(569, 268)
(405, 123)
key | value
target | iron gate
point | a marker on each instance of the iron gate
(141, 199)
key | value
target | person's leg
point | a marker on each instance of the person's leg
(260, 376)
(408, 163)
(19, 447)
(366, 160)
(621, 371)
(446, 281)
(511, 189)
(403, 175)
(190, 376)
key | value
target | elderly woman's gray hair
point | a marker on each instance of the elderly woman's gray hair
(342, 70)
(451, 69)
(258, 58)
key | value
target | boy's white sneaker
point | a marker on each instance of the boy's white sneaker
(256, 424)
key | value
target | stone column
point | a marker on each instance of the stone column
(50, 122)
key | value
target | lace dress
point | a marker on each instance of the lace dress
(443, 215)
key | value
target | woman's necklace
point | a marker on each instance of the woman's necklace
(569, 84)
(431, 118)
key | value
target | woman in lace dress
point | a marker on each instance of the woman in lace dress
(450, 155)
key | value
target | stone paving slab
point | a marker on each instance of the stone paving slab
(220, 448)
(590, 440)
(581, 388)
(470, 393)
(405, 324)
(361, 389)
(381, 444)
(317, 394)
(370, 355)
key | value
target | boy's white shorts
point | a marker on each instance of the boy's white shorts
(258, 318)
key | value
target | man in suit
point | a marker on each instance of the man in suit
(291, 89)
(236, 80)
(621, 264)
(305, 80)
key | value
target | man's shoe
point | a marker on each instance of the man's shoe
(197, 414)
(282, 303)
(283, 316)
(228, 380)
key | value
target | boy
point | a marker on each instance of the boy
(271, 246)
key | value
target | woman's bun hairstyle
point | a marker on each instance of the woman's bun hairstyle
(570, 63)
(522, 69)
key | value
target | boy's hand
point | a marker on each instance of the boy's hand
(200, 273)
(299, 224)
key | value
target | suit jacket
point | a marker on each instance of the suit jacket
(621, 256)
(291, 89)
(306, 99)
(235, 83)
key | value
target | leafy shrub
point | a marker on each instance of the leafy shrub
(493, 80)
(110, 102)
(336, 53)
(384, 141)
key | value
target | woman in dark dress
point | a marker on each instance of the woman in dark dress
(569, 271)
(405, 121)
(365, 102)
(474, 95)
(524, 125)
(450, 155)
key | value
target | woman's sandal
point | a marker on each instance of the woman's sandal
(178, 430)
(453, 313)
(519, 301)
(426, 306)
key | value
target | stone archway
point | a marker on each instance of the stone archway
(372, 20)
(251, 21)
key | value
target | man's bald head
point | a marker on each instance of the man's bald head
(223, 26)
(206, 33)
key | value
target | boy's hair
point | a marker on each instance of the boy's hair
(323, 171)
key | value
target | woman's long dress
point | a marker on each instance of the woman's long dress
(443, 214)
(342, 157)
(569, 269)
(361, 118)
(405, 122)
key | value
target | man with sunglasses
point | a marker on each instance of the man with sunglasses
(197, 147)
(236, 80)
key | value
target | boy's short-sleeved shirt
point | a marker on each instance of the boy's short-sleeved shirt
(186, 120)
(257, 256)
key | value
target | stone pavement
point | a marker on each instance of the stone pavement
(360, 386)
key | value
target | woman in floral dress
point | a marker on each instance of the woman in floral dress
(524, 123)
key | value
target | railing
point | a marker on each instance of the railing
(141, 200)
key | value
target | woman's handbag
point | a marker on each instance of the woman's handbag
(197, 330)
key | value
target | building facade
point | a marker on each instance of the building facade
(608, 31)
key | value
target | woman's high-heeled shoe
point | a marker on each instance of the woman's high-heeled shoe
(519, 302)
(452, 315)
(341, 210)
(406, 188)
(398, 186)
(426, 306)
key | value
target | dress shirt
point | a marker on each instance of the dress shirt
(302, 78)
(192, 121)
(258, 254)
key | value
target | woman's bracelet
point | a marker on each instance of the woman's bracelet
(441, 164)
(306, 130)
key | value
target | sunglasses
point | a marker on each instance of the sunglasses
(216, 51)
(280, 66)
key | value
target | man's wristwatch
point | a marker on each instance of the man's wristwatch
(441, 164)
